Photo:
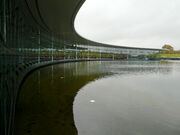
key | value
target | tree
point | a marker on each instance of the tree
(169, 49)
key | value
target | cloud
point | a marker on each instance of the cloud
(140, 23)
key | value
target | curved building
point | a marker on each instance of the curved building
(34, 33)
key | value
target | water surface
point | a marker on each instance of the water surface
(141, 98)
(101, 98)
(44, 105)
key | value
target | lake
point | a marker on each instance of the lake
(101, 98)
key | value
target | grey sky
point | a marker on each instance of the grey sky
(139, 23)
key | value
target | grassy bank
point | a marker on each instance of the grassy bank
(170, 55)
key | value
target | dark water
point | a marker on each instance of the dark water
(45, 103)
(101, 98)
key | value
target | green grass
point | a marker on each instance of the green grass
(169, 55)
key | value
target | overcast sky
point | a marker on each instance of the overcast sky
(137, 23)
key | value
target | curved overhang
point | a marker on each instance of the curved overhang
(57, 17)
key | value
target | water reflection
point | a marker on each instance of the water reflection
(45, 104)
(142, 98)
(141, 67)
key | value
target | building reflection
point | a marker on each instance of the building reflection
(46, 99)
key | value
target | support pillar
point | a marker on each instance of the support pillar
(39, 43)
(52, 44)
(76, 53)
